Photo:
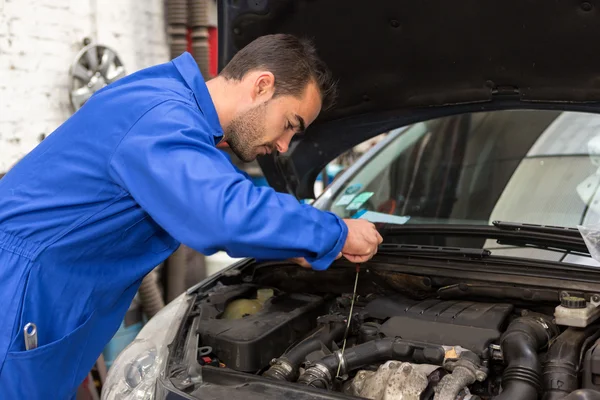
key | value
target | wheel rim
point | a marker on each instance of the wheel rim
(95, 67)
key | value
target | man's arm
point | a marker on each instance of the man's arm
(170, 167)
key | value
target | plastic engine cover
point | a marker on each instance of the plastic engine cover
(250, 343)
(471, 325)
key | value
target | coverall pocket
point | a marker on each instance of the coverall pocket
(52, 370)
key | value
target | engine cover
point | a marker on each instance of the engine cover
(471, 325)
(250, 343)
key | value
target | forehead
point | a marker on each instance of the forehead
(307, 105)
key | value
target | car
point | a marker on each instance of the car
(485, 190)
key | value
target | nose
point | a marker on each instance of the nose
(283, 144)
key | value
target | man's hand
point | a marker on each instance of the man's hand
(362, 241)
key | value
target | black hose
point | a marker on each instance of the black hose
(297, 354)
(520, 343)
(583, 394)
(371, 352)
(562, 362)
(286, 367)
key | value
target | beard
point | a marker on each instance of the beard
(244, 133)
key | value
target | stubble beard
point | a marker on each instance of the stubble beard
(244, 133)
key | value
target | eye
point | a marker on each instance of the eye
(288, 126)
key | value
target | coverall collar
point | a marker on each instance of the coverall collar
(188, 68)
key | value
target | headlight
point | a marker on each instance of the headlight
(133, 374)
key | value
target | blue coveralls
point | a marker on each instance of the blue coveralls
(107, 197)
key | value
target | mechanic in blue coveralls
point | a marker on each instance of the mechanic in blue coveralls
(132, 175)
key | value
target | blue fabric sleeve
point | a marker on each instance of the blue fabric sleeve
(234, 166)
(169, 164)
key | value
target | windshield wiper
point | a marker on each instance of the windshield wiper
(423, 250)
(558, 230)
(506, 233)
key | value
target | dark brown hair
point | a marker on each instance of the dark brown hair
(293, 61)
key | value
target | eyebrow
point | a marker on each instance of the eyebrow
(301, 123)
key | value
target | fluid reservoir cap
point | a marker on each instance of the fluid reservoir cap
(573, 302)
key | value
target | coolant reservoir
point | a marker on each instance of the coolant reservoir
(242, 307)
(575, 311)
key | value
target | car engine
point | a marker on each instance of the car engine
(397, 346)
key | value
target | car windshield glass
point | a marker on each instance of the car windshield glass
(539, 167)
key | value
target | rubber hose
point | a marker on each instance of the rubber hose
(451, 384)
(371, 352)
(198, 13)
(150, 296)
(177, 12)
(201, 51)
(583, 394)
(329, 334)
(177, 20)
(562, 362)
(292, 359)
(520, 343)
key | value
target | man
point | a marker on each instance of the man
(135, 172)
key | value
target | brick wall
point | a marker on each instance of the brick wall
(38, 42)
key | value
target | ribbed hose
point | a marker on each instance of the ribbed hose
(286, 367)
(198, 13)
(150, 296)
(520, 344)
(198, 21)
(562, 362)
(322, 373)
(201, 50)
(328, 335)
(177, 12)
(177, 19)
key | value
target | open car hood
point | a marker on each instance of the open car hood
(398, 62)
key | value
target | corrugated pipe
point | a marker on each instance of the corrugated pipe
(286, 367)
(177, 19)
(198, 19)
(150, 295)
(322, 373)
(563, 359)
(194, 17)
(524, 337)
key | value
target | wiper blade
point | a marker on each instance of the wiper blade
(557, 230)
(421, 250)
(523, 235)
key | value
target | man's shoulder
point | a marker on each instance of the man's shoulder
(147, 86)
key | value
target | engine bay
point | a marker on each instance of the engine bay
(407, 338)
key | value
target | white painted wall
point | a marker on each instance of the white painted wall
(38, 42)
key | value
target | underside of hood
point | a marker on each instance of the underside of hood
(395, 57)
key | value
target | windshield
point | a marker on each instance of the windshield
(539, 167)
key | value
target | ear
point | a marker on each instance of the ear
(264, 86)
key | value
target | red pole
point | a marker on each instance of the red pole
(213, 50)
